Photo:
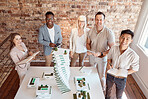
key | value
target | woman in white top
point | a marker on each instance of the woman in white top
(78, 41)
(18, 53)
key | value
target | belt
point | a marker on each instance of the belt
(119, 77)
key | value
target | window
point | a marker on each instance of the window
(143, 40)
(146, 44)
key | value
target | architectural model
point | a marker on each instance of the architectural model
(82, 87)
(47, 75)
(62, 69)
(82, 95)
(33, 82)
(43, 92)
(81, 83)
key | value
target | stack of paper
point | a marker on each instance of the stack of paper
(62, 69)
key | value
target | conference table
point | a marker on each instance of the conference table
(30, 93)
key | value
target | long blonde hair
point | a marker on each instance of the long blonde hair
(82, 18)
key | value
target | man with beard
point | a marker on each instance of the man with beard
(99, 41)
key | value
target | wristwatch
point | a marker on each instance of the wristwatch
(101, 53)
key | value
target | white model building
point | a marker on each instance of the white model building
(62, 69)
(33, 82)
(81, 83)
(43, 92)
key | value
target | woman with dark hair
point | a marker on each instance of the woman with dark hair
(18, 52)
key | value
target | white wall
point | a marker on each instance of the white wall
(141, 76)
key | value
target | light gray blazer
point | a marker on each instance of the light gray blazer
(44, 38)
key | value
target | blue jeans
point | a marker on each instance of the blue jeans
(120, 84)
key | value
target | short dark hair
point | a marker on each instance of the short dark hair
(127, 31)
(49, 13)
(100, 13)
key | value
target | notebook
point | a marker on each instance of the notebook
(28, 58)
(118, 72)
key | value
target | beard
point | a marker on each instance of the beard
(99, 27)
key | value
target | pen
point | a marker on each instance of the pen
(50, 90)
(88, 87)
(74, 80)
(42, 74)
(81, 68)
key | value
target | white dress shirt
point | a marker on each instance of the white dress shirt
(127, 60)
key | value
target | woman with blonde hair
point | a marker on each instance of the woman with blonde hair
(78, 41)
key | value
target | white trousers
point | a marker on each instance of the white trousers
(100, 64)
(22, 70)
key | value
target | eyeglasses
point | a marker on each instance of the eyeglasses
(49, 19)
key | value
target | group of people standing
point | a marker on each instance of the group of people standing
(98, 43)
